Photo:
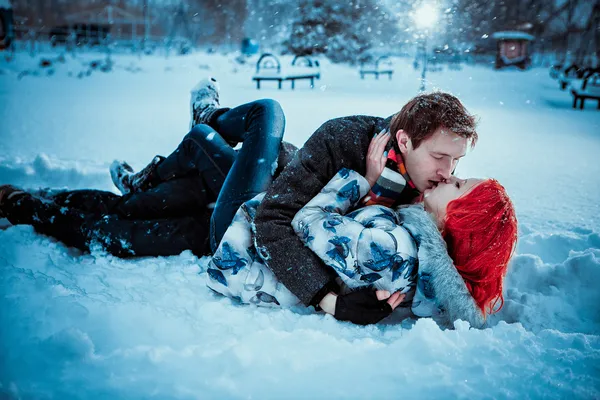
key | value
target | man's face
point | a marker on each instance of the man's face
(435, 158)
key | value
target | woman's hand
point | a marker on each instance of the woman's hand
(377, 156)
(363, 306)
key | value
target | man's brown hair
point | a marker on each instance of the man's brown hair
(425, 113)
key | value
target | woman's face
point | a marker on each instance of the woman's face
(436, 199)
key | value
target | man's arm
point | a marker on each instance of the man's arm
(339, 143)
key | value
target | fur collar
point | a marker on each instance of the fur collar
(451, 294)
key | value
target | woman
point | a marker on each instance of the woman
(399, 251)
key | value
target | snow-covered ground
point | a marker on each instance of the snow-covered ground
(93, 326)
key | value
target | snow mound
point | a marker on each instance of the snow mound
(150, 327)
(48, 172)
(561, 296)
(557, 247)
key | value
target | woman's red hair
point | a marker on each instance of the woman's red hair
(481, 232)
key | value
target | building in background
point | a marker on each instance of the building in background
(93, 25)
(513, 49)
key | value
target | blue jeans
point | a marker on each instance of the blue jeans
(172, 216)
(234, 177)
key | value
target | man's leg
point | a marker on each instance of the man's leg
(260, 125)
(202, 151)
(120, 237)
(61, 222)
(235, 124)
(171, 199)
(176, 198)
(89, 201)
(158, 237)
(207, 149)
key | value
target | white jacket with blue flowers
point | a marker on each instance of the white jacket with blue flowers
(375, 246)
(365, 247)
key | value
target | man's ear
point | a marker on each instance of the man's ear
(404, 142)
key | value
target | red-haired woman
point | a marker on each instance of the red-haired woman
(381, 250)
(374, 245)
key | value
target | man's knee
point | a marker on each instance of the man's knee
(272, 107)
(200, 133)
(269, 104)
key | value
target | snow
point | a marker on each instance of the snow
(515, 35)
(73, 323)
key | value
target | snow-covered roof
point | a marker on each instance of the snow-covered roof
(512, 35)
(5, 4)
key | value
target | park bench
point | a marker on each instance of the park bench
(382, 66)
(268, 68)
(555, 71)
(568, 75)
(588, 88)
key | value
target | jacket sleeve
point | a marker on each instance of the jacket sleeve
(236, 272)
(323, 227)
(339, 143)
(229, 266)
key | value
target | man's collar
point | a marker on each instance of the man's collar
(396, 156)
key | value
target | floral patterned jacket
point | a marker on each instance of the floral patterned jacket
(394, 250)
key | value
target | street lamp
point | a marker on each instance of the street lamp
(425, 17)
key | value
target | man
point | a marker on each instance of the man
(428, 137)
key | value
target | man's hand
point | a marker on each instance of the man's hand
(363, 307)
(376, 156)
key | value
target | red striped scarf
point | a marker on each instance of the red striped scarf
(394, 186)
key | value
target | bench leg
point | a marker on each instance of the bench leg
(312, 83)
(258, 84)
(581, 103)
(598, 104)
(574, 101)
(362, 76)
(279, 84)
(390, 76)
(377, 75)
(293, 82)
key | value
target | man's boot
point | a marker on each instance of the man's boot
(129, 182)
(204, 101)
(7, 192)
